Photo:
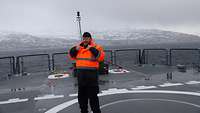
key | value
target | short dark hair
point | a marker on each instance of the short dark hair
(87, 34)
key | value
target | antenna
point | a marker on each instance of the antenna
(79, 24)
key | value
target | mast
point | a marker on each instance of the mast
(79, 24)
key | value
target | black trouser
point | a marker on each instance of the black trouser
(88, 89)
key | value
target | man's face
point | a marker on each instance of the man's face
(86, 40)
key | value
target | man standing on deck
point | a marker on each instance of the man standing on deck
(87, 55)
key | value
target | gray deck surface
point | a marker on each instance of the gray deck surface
(120, 93)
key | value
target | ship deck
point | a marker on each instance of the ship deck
(143, 89)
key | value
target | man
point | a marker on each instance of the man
(87, 55)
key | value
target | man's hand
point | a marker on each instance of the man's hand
(94, 51)
(89, 46)
(77, 47)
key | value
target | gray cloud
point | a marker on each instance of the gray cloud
(58, 16)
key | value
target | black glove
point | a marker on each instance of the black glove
(94, 51)
(73, 52)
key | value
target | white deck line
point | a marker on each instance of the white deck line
(170, 84)
(193, 82)
(120, 71)
(114, 90)
(151, 99)
(48, 97)
(143, 87)
(64, 105)
(15, 100)
(73, 95)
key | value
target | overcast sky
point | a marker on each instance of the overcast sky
(59, 16)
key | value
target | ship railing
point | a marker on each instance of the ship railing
(7, 67)
(127, 58)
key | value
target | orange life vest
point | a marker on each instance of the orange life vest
(86, 60)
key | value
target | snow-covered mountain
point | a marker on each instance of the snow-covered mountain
(146, 36)
(10, 40)
(25, 41)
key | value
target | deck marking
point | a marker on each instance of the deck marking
(143, 87)
(74, 101)
(170, 84)
(193, 82)
(147, 87)
(167, 100)
(114, 90)
(48, 97)
(73, 95)
(58, 76)
(118, 71)
(15, 100)
(62, 106)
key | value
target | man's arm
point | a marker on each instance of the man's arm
(94, 51)
(98, 53)
(73, 52)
